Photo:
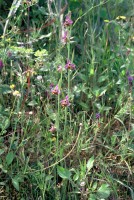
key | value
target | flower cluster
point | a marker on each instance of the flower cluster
(68, 21)
(55, 90)
(65, 33)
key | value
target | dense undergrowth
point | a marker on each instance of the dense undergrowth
(67, 100)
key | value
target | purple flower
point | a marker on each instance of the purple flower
(65, 102)
(68, 21)
(97, 115)
(130, 80)
(51, 85)
(55, 90)
(1, 64)
(64, 37)
(69, 65)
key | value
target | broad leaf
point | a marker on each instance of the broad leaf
(5, 89)
(4, 122)
(63, 173)
(103, 191)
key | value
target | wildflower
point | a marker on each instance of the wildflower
(130, 80)
(39, 78)
(16, 93)
(64, 37)
(1, 64)
(55, 90)
(59, 69)
(12, 86)
(65, 102)
(82, 184)
(52, 129)
(30, 113)
(120, 17)
(97, 115)
(69, 65)
(68, 21)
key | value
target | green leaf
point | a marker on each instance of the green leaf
(2, 168)
(63, 173)
(1, 151)
(90, 163)
(4, 122)
(94, 186)
(83, 77)
(48, 178)
(5, 89)
(76, 177)
(84, 105)
(15, 183)
(32, 103)
(103, 191)
(102, 78)
(9, 158)
(92, 197)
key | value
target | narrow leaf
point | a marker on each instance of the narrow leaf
(90, 163)
(15, 183)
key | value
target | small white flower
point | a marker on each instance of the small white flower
(82, 184)
(39, 78)
(31, 112)
(16, 93)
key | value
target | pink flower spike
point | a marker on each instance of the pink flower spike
(68, 21)
(70, 65)
(55, 90)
